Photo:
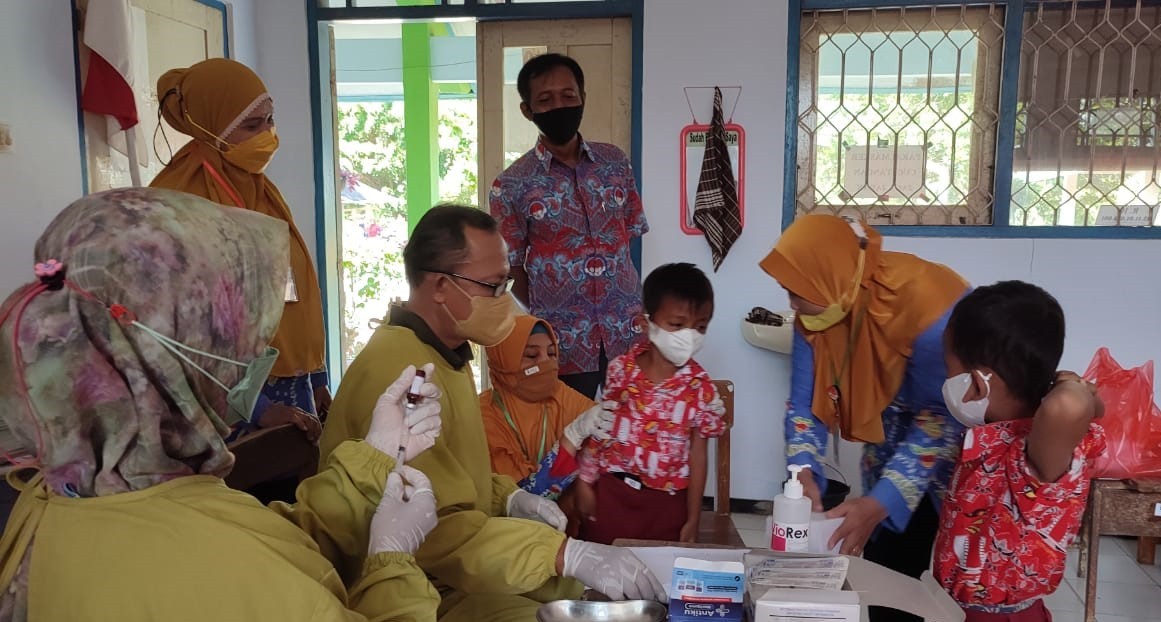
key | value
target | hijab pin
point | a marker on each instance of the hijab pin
(51, 273)
(122, 315)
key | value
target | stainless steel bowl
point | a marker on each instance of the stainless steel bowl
(588, 611)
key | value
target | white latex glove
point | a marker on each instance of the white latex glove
(596, 422)
(395, 427)
(523, 504)
(405, 515)
(612, 571)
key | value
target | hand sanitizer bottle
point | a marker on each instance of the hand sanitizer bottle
(790, 529)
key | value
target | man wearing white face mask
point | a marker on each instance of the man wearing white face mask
(647, 481)
(478, 556)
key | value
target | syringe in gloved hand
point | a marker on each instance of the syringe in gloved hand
(413, 398)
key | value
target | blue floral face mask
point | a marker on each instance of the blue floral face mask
(240, 398)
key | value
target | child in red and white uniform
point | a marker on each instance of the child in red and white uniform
(1019, 490)
(647, 481)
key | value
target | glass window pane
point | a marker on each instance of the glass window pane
(373, 136)
(898, 114)
(1087, 125)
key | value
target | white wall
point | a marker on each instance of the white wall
(42, 174)
(695, 43)
(282, 61)
(243, 43)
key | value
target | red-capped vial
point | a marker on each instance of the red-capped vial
(413, 395)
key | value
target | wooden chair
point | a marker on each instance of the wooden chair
(271, 454)
(716, 525)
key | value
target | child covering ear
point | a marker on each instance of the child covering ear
(1019, 490)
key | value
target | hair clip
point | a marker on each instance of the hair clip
(122, 315)
(51, 273)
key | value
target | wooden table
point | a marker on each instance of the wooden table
(718, 530)
(1130, 507)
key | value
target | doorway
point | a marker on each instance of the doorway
(604, 50)
(427, 111)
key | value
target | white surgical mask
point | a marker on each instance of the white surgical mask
(677, 346)
(971, 414)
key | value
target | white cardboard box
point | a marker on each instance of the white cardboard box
(786, 605)
(871, 584)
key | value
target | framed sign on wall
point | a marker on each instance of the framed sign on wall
(693, 138)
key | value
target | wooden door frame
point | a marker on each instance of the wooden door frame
(321, 70)
(77, 10)
(491, 43)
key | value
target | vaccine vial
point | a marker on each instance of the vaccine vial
(413, 395)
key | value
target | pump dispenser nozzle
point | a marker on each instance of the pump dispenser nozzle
(793, 487)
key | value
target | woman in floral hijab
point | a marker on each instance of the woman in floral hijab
(130, 414)
(120, 367)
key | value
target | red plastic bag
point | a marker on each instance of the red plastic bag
(1132, 422)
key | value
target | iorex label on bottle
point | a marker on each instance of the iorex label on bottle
(791, 537)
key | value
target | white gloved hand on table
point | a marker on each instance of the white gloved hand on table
(405, 515)
(523, 504)
(415, 429)
(596, 422)
(612, 571)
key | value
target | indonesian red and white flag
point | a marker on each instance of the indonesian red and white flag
(111, 36)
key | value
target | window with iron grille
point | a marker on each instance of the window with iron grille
(900, 114)
(334, 4)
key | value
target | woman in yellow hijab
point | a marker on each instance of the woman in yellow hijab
(534, 422)
(867, 363)
(226, 109)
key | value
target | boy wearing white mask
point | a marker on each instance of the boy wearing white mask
(646, 481)
(1019, 490)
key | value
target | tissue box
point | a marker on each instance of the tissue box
(706, 590)
(776, 605)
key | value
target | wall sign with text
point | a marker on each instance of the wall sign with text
(692, 153)
(889, 172)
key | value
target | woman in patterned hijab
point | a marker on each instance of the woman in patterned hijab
(107, 406)
(146, 335)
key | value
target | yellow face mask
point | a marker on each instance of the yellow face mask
(253, 155)
(838, 311)
(818, 323)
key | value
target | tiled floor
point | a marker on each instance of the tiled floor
(1126, 591)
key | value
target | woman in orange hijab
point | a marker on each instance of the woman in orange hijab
(534, 422)
(225, 108)
(867, 363)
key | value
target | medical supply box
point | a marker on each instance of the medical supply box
(707, 590)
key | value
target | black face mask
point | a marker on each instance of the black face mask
(559, 125)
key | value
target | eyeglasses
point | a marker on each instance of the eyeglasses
(498, 289)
